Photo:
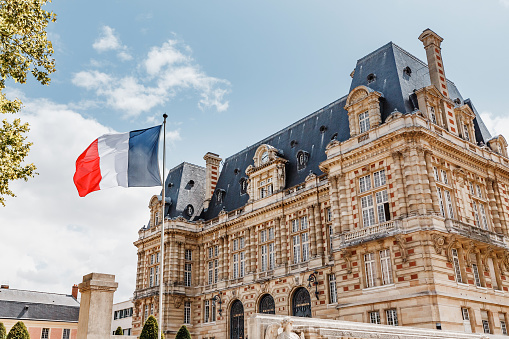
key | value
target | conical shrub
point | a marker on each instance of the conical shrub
(150, 329)
(18, 331)
(119, 331)
(183, 333)
(3, 331)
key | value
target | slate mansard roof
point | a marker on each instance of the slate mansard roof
(30, 305)
(312, 133)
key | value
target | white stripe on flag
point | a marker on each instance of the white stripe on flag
(113, 155)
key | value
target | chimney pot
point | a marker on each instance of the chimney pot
(5, 286)
(75, 291)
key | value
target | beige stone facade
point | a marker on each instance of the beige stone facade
(407, 225)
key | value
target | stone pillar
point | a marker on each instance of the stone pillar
(252, 249)
(277, 233)
(198, 277)
(409, 182)
(284, 241)
(225, 256)
(319, 231)
(432, 183)
(312, 230)
(402, 210)
(182, 262)
(425, 185)
(334, 200)
(344, 225)
(96, 305)
(501, 213)
(493, 205)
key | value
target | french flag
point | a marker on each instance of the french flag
(126, 159)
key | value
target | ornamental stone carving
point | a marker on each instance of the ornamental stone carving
(282, 331)
(438, 242)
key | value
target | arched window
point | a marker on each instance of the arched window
(267, 305)
(301, 303)
(237, 320)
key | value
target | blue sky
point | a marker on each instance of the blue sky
(228, 73)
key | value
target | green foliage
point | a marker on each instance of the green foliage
(24, 49)
(3, 332)
(150, 329)
(18, 331)
(119, 331)
(183, 333)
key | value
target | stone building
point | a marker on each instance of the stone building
(387, 206)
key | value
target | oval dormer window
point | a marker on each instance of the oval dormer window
(189, 210)
(371, 78)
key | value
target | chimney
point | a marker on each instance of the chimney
(75, 291)
(432, 42)
(4, 286)
(212, 161)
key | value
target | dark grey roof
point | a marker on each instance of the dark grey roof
(182, 193)
(481, 132)
(387, 64)
(19, 304)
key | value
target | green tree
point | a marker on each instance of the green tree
(3, 332)
(24, 49)
(150, 329)
(119, 331)
(18, 331)
(183, 333)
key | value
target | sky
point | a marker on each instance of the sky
(228, 73)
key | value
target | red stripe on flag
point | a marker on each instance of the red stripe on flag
(88, 171)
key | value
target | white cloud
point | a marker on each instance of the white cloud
(504, 3)
(51, 236)
(109, 41)
(167, 69)
(496, 124)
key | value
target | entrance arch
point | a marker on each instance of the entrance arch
(267, 305)
(237, 320)
(301, 303)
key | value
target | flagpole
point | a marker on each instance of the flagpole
(161, 279)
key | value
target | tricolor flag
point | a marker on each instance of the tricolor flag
(126, 159)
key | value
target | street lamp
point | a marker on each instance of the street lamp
(314, 280)
(218, 299)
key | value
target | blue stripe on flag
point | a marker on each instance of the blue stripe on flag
(143, 165)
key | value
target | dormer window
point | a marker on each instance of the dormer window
(265, 157)
(432, 115)
(266, 189)
(363, 106)
(466, 135)
(156, 218)
(364, 122)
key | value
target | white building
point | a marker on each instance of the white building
(122, 315)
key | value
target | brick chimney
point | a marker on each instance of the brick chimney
(75, 291)
(4, 286)
(432, 42)
(212, 162)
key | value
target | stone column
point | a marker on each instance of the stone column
(401, 193)
(96, 305)
(182, 259)
(312, 230)
(220, 257)
(252, 249)
(334, 200)
(501, 213)
(319, 231)
(198, 277)
(493, 205)
(225, 256)
(432, 183)
(277, 233)
(284, 241)
(343, 225)
(425, 186)
(410, 183)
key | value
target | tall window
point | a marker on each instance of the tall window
(45, 333)
(503, 325)
(187, 312)
(265, 187)
(465, 132)
(213, 264)
(392, 317)
(206, 311)
(369, 267)
(444, 193)
(333, 291)
(66, 334)
(267, 254)
(364, 122)
(238, 264)
(456, 264)
(300, 239)
(479, 204)
(189, 255)
(153, 270)
(385, 267)
(374, 317)
(212, 311)
(187, 274)
(156, 282)
(378, 198)
(466, 320)
(151, 277)
(432, 115)
(475, 270)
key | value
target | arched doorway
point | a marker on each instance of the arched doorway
(267, 305)
(237, 320)
(301, 303)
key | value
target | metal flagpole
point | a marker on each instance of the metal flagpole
(161, 271)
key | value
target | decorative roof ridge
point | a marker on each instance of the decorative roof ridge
(53, 293)
(193, 165)
(315, 113)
